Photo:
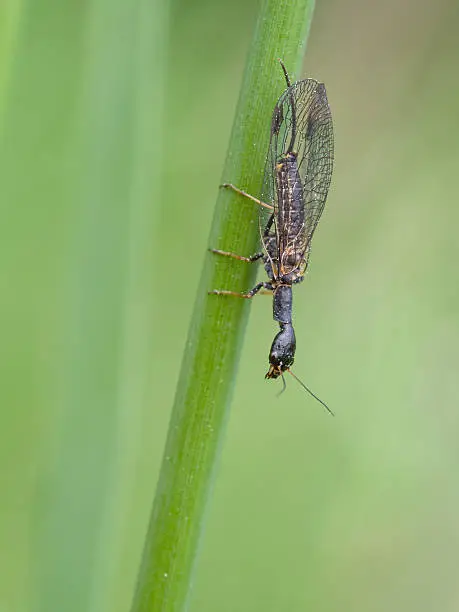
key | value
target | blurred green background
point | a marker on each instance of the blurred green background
(103, 234)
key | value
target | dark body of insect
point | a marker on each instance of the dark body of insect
(295, 186)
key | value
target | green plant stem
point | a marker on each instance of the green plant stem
(215, 337)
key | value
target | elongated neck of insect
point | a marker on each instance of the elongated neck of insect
(282, 305)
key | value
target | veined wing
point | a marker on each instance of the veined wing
(297, 172)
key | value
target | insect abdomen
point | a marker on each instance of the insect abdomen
(290, 213)
(290, 194)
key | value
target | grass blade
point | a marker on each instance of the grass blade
(217, 328)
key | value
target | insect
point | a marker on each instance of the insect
(297, 176)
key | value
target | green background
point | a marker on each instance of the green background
(103, 234)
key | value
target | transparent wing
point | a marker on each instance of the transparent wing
(301, 125)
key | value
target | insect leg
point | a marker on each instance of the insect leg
(268, 226)
(255, 257)
(247, 295)
(246, 195)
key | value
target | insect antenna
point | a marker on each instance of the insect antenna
(292, 106)
(284, 385)
(310, 392)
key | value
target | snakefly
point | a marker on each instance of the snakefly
(297, 176)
